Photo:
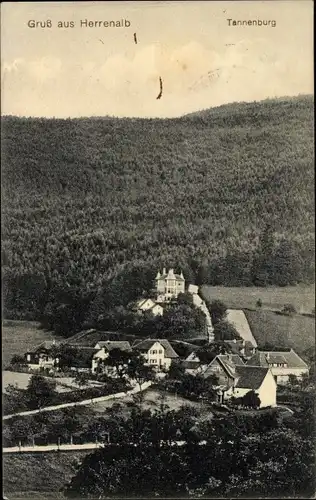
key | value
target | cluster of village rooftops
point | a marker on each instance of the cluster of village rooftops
(245, 369)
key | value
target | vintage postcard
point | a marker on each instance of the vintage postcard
(158, 249)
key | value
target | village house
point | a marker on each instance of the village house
(224, 367)
(194, 367)
(83, 360)
(149, 305)
(253, 378)
(281, 363)
(243, 348)
(40, 357)
(235, 379)
(169, 285)
(103, 349)
(158, 353)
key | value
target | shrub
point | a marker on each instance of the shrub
(288, 309)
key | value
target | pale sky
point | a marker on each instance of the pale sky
(203, 62)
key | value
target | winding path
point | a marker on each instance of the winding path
(85, 402)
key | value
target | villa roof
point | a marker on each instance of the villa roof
(145, 345)
(177, 276)
(290, 357)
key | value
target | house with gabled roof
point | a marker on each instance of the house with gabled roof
(281, 363)
(158, 353)
(224, 367)
(193, 367)
(253, 378)
(103, 348)
(149, 305)
(40, 356)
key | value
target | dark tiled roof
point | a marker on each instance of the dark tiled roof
(191, 365)
(90, 338)
(250, 377)
(123, 345)
(234, 347)
(44, 346)
(292, 359)
(276, 358)
(233, 359)
(227, 362)
(145, 345)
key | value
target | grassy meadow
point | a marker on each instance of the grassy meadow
(266, 324)
(295, 331)
(273, 298)
(19, 336)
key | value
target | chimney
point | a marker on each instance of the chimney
(164, 271)
(268, 356)
(158, 275)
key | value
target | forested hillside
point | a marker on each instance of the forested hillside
(221, 193)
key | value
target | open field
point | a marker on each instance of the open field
(285, 331)
(19, 336)
(152, 399)
(38, 476)
(273, 298)
(63, 384)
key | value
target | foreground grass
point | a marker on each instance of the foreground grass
(38, 476)
(19, 336)
(273, 298)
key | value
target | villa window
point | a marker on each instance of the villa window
(154, 351)
(160, 351)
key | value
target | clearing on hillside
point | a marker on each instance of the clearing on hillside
(273, 298)
(295, 331)
(19, 336)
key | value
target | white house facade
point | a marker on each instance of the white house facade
(257, 379)
(149, 305)
(157, 353)
(169, 285)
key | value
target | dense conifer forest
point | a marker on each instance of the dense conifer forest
(90, 204)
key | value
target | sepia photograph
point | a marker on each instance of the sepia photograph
(158, 250)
